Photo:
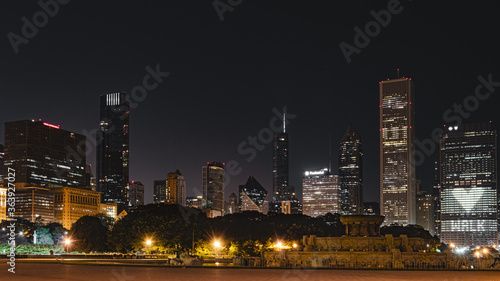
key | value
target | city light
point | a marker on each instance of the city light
(217, 244)
(148, 242)
(67, 241)
(294, 245)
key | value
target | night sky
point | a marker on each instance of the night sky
(227, 76)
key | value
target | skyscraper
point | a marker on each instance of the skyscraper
(1, 164)
(436, 194)
(113, 149)
(176, 189)
(320, 193)
(136, 193)
(159, 191)
(213, 187)
(397, 135)
(44, 155)
(469, 206)
(282, 191)
(253, 197)
(351, 173)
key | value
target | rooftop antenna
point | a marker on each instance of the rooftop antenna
(398, 73)
(284, 122)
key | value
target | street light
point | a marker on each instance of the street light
(279, 245)
(67, 242)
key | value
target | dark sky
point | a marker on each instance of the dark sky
(226, 77)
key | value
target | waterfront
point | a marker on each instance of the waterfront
(46, 271)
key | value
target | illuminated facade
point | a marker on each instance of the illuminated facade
(3, 203)
(351, 173)
(70, 204)
(34, 203)
(195, 202)
(44, 155)
(436, 191)
(136, 193)
(253, 197)
(175, 189)
(213, 187)
(109, 209)
(469, 202)
(320, 193)
(425, 211)
(397, 135)
(113, 149)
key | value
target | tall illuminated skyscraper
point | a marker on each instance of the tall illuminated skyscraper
(113, 149)
(282, 191)
(213, 187)
(397, 136)
(320, 193)
(351, 173)
(136, 193)
(1, 164)
(469, 206)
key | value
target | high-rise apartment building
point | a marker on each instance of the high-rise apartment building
(436, 194)
(351, 173)
(44, 155)
(469, 194)
(113, 149)
(320, 193)
(397, 135)
(253, 197)
(1, 164)
(233, 206)
(213, 187)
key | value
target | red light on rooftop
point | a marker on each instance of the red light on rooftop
(50, 125)
(132, 182)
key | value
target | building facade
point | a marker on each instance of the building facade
(136, 193)
(351, 173)
(44, 155)
(1, 164)
(233, 206)
(282, 191)
(253, 197)
(195, 202)
(371, 208)
(213, 187)
(469, 198)
(159, 191)
(425, 211)
(397, 135)
(176, 189)
(3, 204)
(70, 204)
(113, 149)
(34, 203)
(320, 193)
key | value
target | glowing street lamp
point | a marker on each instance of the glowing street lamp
(67, 243)
(485, 251)
(279, 245)
(477, 254)
(217, 246)
(148, 242)
(294, 245)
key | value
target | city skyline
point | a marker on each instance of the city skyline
(318, 85)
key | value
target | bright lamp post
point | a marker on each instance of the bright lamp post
(67, 243)
(217, 246)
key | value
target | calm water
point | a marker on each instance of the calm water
(25, 271)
